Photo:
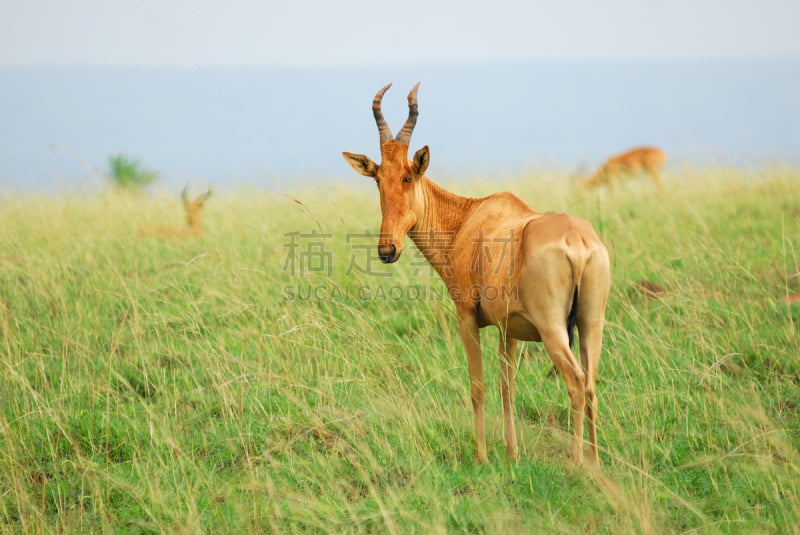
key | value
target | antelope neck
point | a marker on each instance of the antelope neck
(441, 214)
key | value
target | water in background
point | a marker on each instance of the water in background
(277, 127)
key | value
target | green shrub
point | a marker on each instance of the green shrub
(127, 173)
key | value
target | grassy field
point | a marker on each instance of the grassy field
(274, 377)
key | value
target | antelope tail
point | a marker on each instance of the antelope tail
(578, 263)
(572, 317)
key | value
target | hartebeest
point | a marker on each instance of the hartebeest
(193, 226)
(646, 160)
(533, 275)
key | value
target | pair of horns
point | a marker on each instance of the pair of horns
(383, 129)
(201, 198)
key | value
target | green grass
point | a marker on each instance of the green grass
(211, 385)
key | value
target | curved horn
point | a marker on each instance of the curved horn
(204, 197)
(383, 128)
(405, 134)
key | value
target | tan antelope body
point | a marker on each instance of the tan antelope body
(533, 275)
(641, 160)
(193, 226)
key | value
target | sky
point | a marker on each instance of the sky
(314, 33)
(535, 62)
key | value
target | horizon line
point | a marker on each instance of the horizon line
(427, 64)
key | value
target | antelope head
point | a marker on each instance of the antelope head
(397, 178)
(193, 208)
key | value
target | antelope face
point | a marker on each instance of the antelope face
(194, 207)
(398, 185)
(397, 178)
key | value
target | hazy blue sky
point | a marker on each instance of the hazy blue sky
(411, 32)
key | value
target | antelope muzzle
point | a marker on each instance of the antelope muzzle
(388, 253)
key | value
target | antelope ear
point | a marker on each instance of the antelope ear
(421, 160)
(361, 164)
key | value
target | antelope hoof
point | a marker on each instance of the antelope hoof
(481, 457)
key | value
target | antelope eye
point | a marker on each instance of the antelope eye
(406, 180)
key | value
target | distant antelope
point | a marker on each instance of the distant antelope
(647, 160)
(533, 275)
(193, 212)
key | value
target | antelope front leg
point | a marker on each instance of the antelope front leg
(468, 329)
(508, 370)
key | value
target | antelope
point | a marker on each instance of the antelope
(533, 275)
(193, 210)
(647, 160)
